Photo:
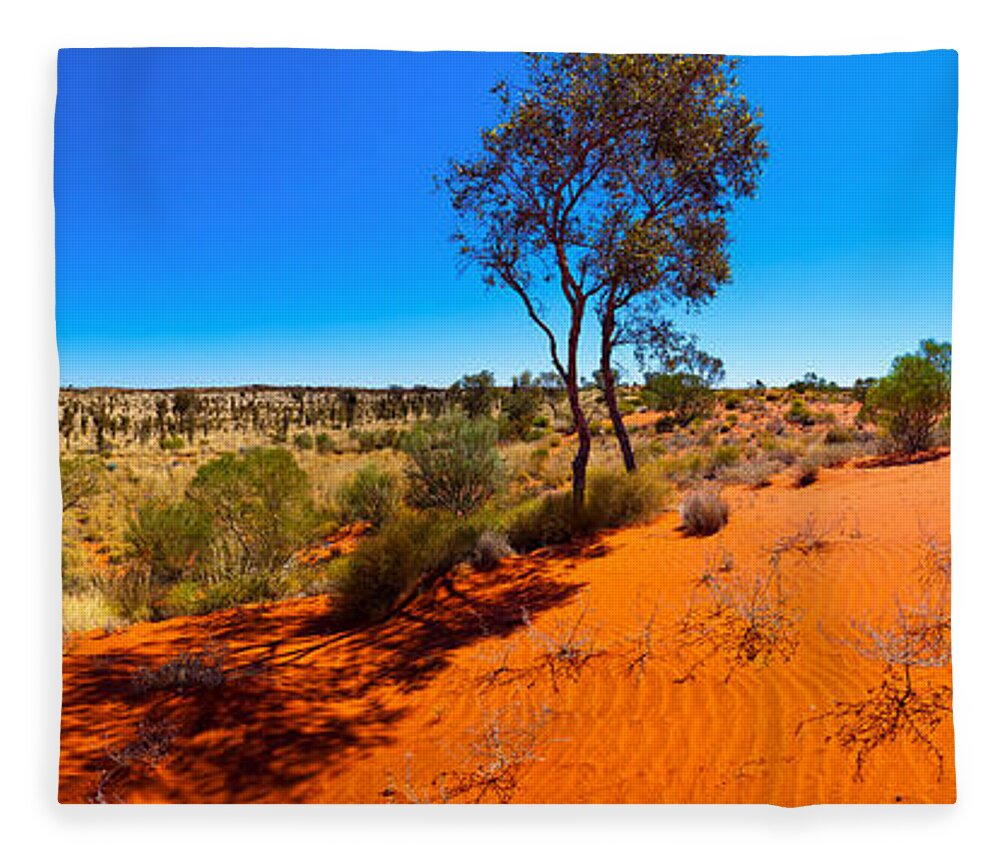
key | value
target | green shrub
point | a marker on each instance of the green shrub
(454, 464)
(304, 441)
(612, 500)
(130, 594)
(664, 424)
(799, 413)
(413, 547)
(325, 444)
(725, 455)
(260, 508)
(376, 440)
(683, 396)
(172, 443)
(839, 436)
(168, 539)
(914, 397)
(519, 408)
(81, 478)
(370, 496)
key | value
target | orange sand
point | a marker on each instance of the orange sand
(395, 711)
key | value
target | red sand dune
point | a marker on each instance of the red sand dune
(460, 698)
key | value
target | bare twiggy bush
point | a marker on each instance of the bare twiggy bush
(643, 643)
(745, 619)
(918, 637)
(903, 705)
(807, 538)
(499, 669)
(502, 746)
(407, 792)
(703, 512)
(567, 648)
(152, 743)
(189, 670)
(897, 708)
(935, 567)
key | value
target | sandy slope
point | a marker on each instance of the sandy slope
(525, 684)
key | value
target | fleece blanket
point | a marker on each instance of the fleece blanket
(501, 428)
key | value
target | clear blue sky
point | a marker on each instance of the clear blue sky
(269, 216)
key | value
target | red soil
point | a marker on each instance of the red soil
(310, 714)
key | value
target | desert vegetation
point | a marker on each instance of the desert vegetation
(489, 592)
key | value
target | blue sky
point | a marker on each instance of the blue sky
(239, 216)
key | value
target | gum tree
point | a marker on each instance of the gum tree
(606, 181)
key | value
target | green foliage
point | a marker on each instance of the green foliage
(811, 382)
(839, 436)
(168, 539)
(304, 441)
(725, 455)
(477, 393)
(914, 397)
(613, 499)
(81, 478)
(172, 443)
(520, 407)
(454, 464)
(260, 508)
(414, 547)
(376, 440)
(563, 184)
(325, 444)
(370, 496)
(799, 413)
(682, 397)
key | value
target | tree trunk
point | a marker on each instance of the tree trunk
(583, 448)
(611, 395)
(572, 380)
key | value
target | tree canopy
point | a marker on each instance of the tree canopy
(608, 176)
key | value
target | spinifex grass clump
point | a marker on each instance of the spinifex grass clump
(413, 549)
(454, 465)
(612, 500)
(703, 512)
(371, 495)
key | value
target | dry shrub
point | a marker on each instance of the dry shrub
(491, 548)
(566, 648)
(154, 737)
(904, 704)
(806, 474)
(500, 748)
(703, 512)
(807, 538)
(746, 619)
(189, 670)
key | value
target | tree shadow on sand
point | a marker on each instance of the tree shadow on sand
(301, 699)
